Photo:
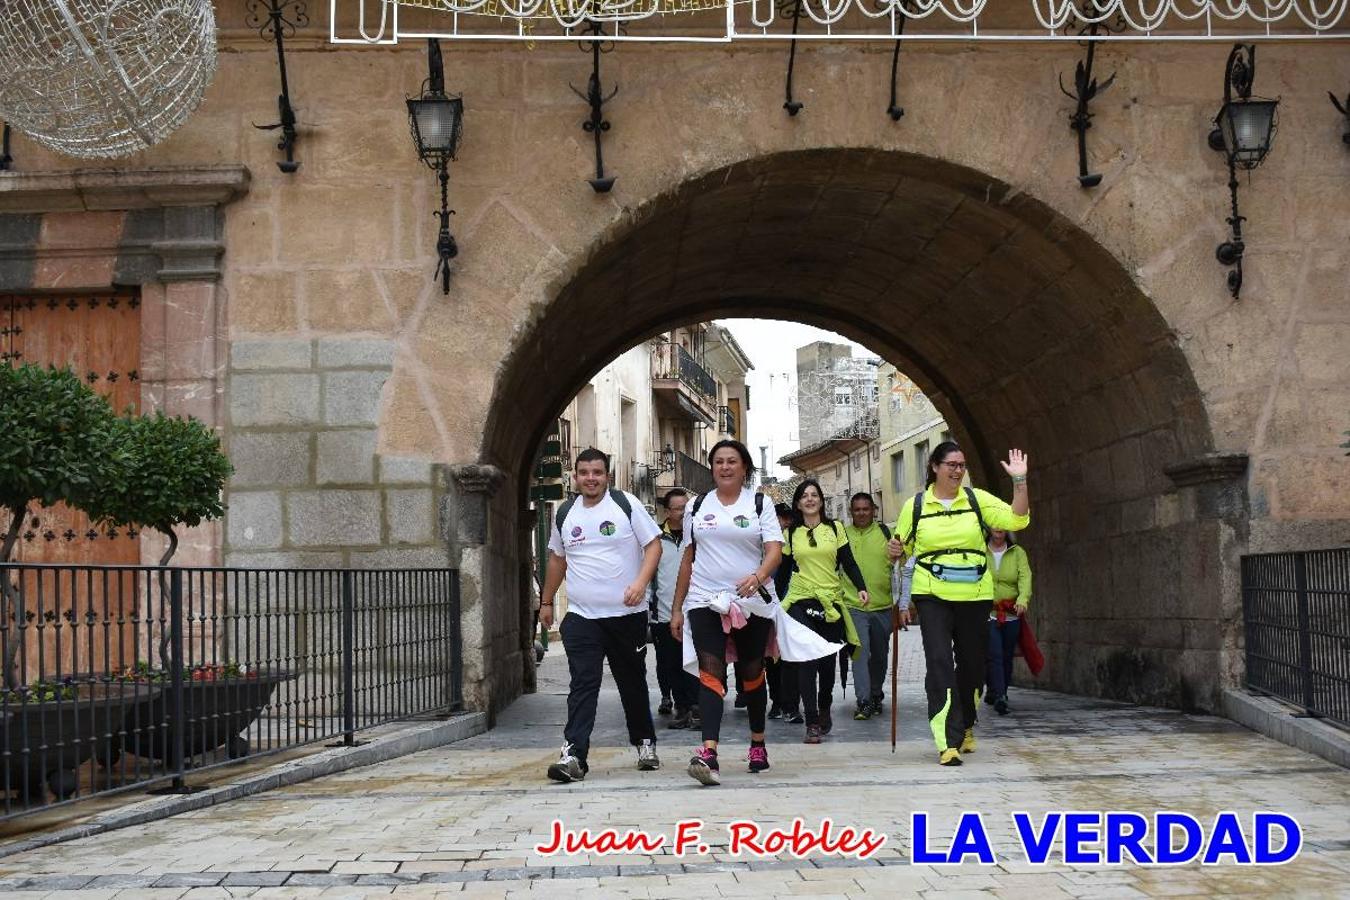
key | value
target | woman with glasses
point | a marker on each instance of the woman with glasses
(818, 547)
(945, 529)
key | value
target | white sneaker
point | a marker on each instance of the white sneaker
(647, 760)
(568, 768)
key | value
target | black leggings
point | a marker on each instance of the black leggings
(710, 642)
(815, 679)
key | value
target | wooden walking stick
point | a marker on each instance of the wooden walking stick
(895, 671)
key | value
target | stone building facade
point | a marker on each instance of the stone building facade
(909, 427)
(1170, 427)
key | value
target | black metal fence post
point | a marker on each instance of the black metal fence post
(348, 660)
(456, 638)
(178, 728)
(178, 724)
(1305, 665)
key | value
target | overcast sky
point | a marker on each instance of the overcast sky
(772, 348)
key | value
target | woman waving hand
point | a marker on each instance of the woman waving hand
(945, 529)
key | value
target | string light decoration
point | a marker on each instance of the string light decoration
(104, 78)
(835, 20)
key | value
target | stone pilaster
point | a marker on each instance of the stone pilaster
(484, 556)
(464, 520)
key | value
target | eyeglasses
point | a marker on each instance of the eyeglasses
(954, 466)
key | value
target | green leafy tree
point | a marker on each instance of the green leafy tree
(172, 473)
(54, 448)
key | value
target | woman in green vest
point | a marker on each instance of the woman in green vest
(1012, 595)
(818, 548)
(944, 528)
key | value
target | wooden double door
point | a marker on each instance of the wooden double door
(98, 336)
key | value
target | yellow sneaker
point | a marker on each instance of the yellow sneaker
(950, 757)
(968, 742)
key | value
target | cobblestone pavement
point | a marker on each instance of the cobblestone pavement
(464, 819)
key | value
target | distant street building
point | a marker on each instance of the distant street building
(883, 449)
(834, 390)
(910, 427)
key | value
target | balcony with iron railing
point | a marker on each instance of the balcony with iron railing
(726, 421)
(678, 380)
(681, 470)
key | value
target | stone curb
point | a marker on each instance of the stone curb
(1275, 720)
(418, 737)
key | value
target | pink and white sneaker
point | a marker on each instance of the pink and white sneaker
(703, 767)
(759, 759)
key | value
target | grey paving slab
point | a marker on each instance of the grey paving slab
(484, 804)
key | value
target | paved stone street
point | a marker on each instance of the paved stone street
(464, 819)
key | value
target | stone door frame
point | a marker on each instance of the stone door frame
(159, 229)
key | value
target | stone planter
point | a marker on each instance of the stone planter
(216, 713)
(46, 742)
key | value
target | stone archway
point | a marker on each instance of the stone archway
(1020, 326)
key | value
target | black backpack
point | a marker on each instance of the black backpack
(619, 497)
(922, 559)
(919, 514)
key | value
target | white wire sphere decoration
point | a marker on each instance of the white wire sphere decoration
(104, 78)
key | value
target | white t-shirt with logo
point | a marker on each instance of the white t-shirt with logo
(603, 549)
(730, 542)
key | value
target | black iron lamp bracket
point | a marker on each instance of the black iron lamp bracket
(5, 159)
(895, 110)
(1086, 88)
(281, 18)
(1343, 109)
(446, 248)
(791, 105)
(597, 124)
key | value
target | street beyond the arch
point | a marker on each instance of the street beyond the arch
(465, 819)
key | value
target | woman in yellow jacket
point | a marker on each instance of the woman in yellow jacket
(1012, 595)
(944, 529)
(819, 550)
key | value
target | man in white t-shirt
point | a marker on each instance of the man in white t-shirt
(607, 547)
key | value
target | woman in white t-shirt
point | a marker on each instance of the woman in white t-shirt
(725, 605)
(731, 553)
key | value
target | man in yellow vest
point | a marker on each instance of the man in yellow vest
(872, 620)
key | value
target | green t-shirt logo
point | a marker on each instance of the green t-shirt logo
(607, 528)
(741, 522)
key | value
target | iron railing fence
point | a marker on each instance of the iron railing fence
(692, 475)
(673, 362)
(1296, 609)
(119, 676)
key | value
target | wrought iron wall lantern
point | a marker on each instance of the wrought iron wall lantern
(437, 121)
(1086, 89)
(597, 125)
(281, 18)
(667, 458)
(5, 159)
(1244, 132)
(1343, 109)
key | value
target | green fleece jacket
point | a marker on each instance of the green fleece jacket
(1012, 577)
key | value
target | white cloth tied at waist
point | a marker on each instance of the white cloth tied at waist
(796, 642)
